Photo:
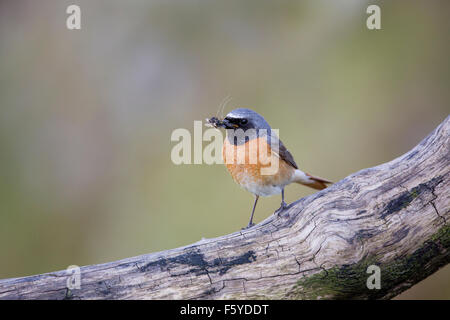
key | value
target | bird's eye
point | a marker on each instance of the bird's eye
(244, 121)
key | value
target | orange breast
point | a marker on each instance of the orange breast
(253, 164)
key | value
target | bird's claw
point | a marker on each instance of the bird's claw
(282, 207)
(248, 226)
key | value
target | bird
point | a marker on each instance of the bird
(247, 133)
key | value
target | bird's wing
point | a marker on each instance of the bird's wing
(278, 147)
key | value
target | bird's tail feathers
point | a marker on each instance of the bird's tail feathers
(310, 181)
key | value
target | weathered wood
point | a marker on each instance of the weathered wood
(394, 216)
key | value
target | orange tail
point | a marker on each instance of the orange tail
(310, 181)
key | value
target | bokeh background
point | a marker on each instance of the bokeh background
(86, 116)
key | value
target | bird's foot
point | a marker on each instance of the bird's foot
(248, 226)
(282, 207)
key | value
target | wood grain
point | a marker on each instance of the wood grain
(394, 216)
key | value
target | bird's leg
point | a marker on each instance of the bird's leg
(283, 204)
(250, 223)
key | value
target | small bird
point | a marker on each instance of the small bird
(255, 136)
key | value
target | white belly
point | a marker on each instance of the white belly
(261, 190)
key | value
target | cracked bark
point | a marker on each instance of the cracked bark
(393, 216)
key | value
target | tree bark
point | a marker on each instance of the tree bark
(394, 216)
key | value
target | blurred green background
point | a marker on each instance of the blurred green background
(86, 116)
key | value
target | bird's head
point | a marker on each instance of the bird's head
(244, 119)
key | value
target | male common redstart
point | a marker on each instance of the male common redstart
(248, 133)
